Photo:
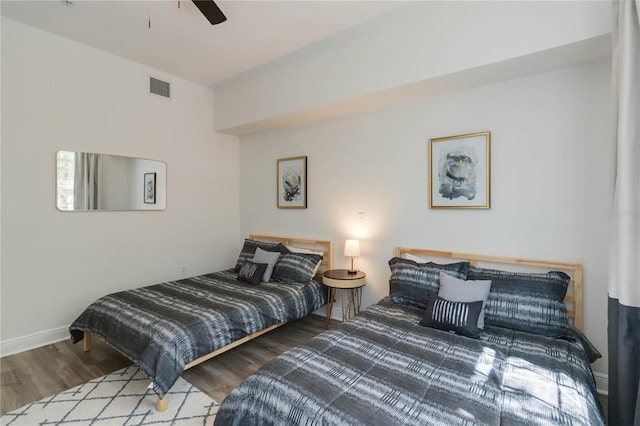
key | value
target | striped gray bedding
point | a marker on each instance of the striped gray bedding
(382, 368)
(163, 327)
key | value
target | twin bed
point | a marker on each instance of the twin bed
(401, 361)
(169, 327)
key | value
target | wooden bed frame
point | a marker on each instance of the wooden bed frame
(573, 299)
(326, 247)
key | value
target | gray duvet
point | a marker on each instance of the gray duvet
(383, 368)
(163, 327)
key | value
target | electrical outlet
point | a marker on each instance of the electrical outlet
(183, 270)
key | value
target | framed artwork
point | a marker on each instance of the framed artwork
(292, 183)
(149, 188)
(460, 169)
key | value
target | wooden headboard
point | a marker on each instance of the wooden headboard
(573, 299)
(326, 247)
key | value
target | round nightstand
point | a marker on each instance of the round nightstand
(350, 285)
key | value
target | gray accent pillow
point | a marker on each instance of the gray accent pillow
(412, 282)
(252, 272)
(457, 290)
(533, 303)
(458, 317)
(296, 268)
(268, 257)
(249, 250)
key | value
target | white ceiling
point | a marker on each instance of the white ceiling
(182, 42)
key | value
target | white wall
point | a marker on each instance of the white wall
(550, 175)
(419, 42)
(58, 94)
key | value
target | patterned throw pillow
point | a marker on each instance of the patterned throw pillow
(249, 250)
(296, 268)
(252, 272)
(268, 257)
(533, 303)
(294, 249)
(459, 317)
(411, 282)
(457, 290)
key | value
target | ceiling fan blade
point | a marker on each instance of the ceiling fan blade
(211, 11)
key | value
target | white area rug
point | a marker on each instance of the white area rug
(120, 398)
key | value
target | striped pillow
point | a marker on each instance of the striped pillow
(458, 317)
(296, 268)
(533, 303)
(412, 282)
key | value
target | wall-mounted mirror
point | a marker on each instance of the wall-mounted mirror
(88, 181)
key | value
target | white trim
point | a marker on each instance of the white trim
(32, 341)
(602, 383)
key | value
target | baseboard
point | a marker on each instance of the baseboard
(32, 341)
(602, 383)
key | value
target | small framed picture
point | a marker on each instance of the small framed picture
(292, 183)
(149, 188)
(460, 172)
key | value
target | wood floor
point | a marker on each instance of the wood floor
(32, 375)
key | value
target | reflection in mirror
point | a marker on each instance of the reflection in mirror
(89, 181)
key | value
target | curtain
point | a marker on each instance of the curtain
(624, 262)
(85, 181)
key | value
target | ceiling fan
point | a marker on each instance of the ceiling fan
(210, 11)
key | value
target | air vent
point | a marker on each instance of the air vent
(159, 87)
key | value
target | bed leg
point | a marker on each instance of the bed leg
(86, 341)
(161, 404)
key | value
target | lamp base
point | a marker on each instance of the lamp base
(352, 271)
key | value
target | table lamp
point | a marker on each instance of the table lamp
(352, 249)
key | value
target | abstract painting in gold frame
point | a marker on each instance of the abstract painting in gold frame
(292, 183)
(460, 171)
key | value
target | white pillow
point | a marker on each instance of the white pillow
(456, 290)
(268, 257)
(415, 258)
(295, 249)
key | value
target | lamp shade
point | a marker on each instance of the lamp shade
(352, 248)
